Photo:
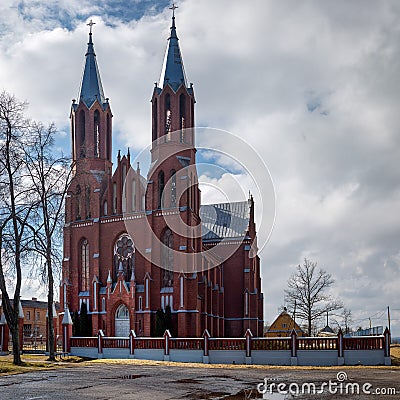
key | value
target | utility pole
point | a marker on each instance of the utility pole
(388, 315)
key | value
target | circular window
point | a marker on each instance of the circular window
(124, 256)
(124, 247)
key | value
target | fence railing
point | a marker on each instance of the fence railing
(186, 344)
(364, 343)
(271, 343)
(115, 343)
(149, 343)
(247, 344)
(84, 342)
(227, 344)
(317, 343)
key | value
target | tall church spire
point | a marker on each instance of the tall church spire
(173, 72)
(91, 88)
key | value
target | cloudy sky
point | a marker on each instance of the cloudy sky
(313, 86)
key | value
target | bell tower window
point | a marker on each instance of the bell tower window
(173, 189)
(168, 115)
(78, 203)
(108, 139)
(160, 189)
(155, 119)
(96, 141)
(87, 202)
(82, 131)
(182, 115)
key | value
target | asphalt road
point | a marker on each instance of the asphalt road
(135, 380)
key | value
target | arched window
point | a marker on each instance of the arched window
(182, 115)
(168, 259)
(114, 198)
(87, 202)
(108, 140)
(96, 133)
(122, 312)
(160, 189)
(84, 265)
(124, 192)
(82, 143)
(124, 256)
(133, 193)
(105, 208)
(173, 188)
(168, 116)
(78, 203)
(155, 119)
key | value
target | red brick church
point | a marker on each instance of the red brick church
(134, 245)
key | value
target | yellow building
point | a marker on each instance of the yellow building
(283, 326)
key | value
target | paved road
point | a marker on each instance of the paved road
(135, 380)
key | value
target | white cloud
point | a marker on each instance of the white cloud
(313, 86)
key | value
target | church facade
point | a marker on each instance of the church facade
(137, 247)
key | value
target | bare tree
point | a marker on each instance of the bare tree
(346, 319)
(50, 176)
(307, 292)
(15, 208)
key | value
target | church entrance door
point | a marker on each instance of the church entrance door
(122, 325)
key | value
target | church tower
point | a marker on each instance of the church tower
(172, 194)
(91, 117)
(91, 134)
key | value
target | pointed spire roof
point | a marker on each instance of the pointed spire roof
(91, 87)
(173, 71)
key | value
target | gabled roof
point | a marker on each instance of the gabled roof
(91, 88)
(225, 220)
(327, 329)
(173, 72)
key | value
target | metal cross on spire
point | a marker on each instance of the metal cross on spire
(90, 24)
(173, 8)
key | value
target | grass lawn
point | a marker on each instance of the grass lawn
(33, 363)
(395, 354)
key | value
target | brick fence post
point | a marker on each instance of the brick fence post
(132, 336)
(206, 336)
(340, 347)
(4, 335)
(67, 331)
(21, 326)
(100, 336)
(293, 348)
(167, 336)
(386, 343)
(248, 335)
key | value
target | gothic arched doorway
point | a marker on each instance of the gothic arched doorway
(122, 325)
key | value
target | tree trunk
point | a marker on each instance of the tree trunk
(14, 330)
(50, 319)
